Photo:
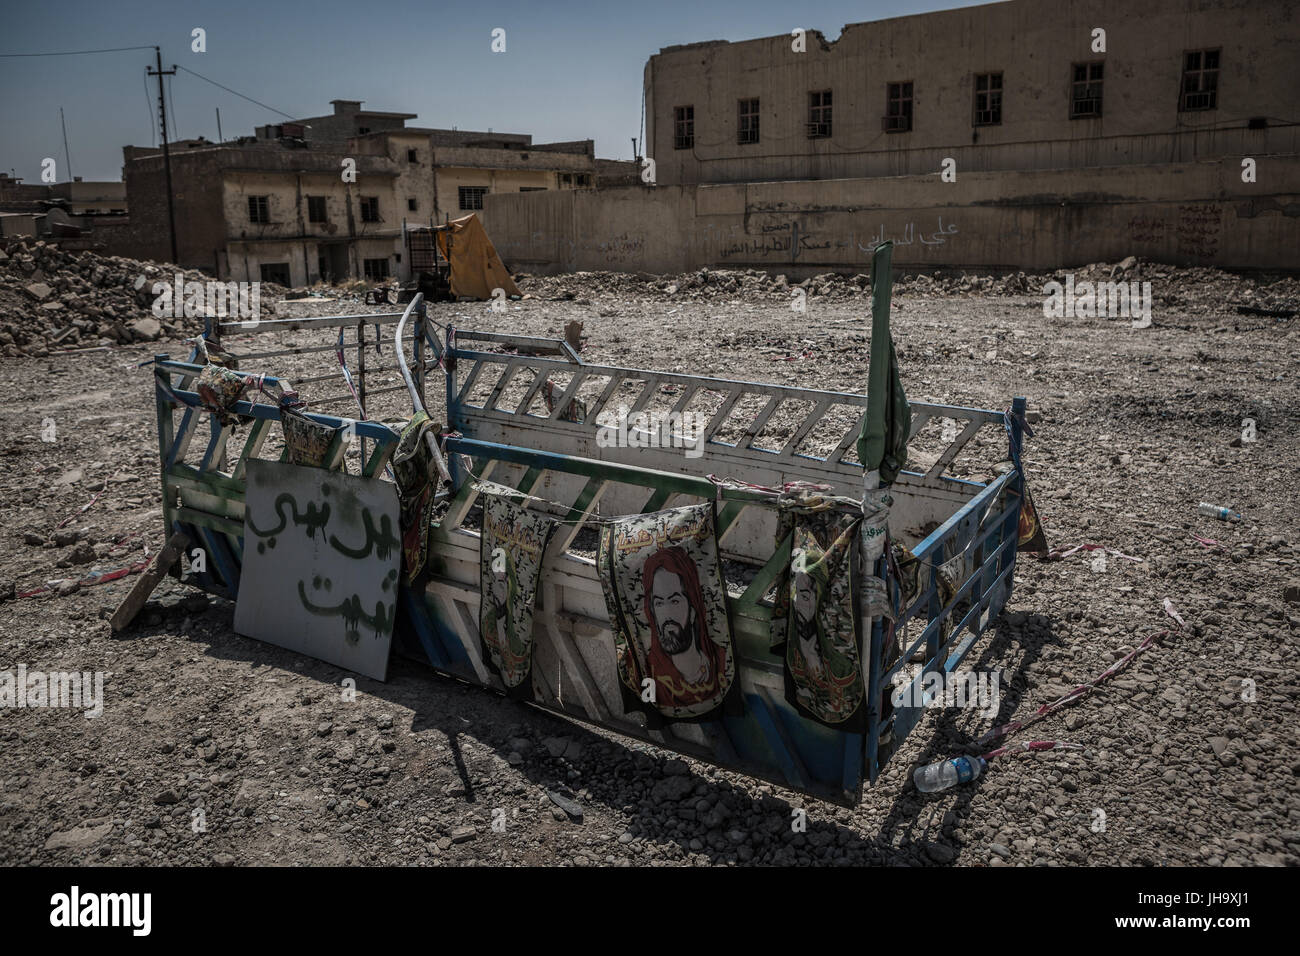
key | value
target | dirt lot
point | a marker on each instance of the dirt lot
(1191, 754)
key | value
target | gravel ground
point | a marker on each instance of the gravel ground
(213, 748)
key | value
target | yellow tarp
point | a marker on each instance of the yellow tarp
(476, 269)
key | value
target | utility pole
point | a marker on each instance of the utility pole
(167, 158)
(219, 139)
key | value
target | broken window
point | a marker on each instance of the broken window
(471, 197)
(1200, 80)
(988, 99)
(370, 209)
(412, 205)
(819, 114)
(412, 156)
(747, 121)
(277, 272)
(316, 209)
(898, 108)
(566, 179)
(582, 179)
(683, 127)
(259, 209)
(1085, 98)
(375, 270)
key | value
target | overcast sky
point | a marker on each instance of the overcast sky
(571, 69)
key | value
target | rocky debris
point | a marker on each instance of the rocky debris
(1135, 430)
(80, 837)
(1199, 290)
(52, 299)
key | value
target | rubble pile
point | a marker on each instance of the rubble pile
(1197, 289)
(57, 300)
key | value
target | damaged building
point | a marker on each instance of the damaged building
(1024, 134)
(330, 198)
(69, 212)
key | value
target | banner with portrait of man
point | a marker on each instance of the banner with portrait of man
(815, 625)
(667, 607)
(510, 566)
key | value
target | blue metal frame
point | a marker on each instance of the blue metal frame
(770, 740)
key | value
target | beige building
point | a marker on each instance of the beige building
(1033, 134)
(330, 198)
(90, 199)
(1022, 85)
(62, 211)
(447, 173)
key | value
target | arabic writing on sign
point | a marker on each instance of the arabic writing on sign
(628, 540)
(522, 539)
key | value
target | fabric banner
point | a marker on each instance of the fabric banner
(417, 483)
(815, 624)
(510, 568)
(307, 440)
(476, 269)
(882, 444)
(667, 607)
(1031, 536)
(218, 389)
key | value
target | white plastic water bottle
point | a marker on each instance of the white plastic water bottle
(948, 773)
(1214, 511)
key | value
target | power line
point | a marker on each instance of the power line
(236, 93)
(116, 49)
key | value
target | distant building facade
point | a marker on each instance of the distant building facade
(329, 198)
(1022, 85)
(1031, 134)
(63, 211)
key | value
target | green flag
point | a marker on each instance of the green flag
(883, 443)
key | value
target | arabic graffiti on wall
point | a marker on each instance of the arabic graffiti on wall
(1199, 227)
(622, 248)
(1147, 229)
(1195, 230)
(789, 241)
(781, 241)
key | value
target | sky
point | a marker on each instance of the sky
(570, 70)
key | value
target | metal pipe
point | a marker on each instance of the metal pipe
(416, 402)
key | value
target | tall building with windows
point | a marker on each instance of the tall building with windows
(1030, 134)
(1022, 85)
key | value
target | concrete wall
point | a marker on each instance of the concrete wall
(1033, 43)
(1189, 214)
